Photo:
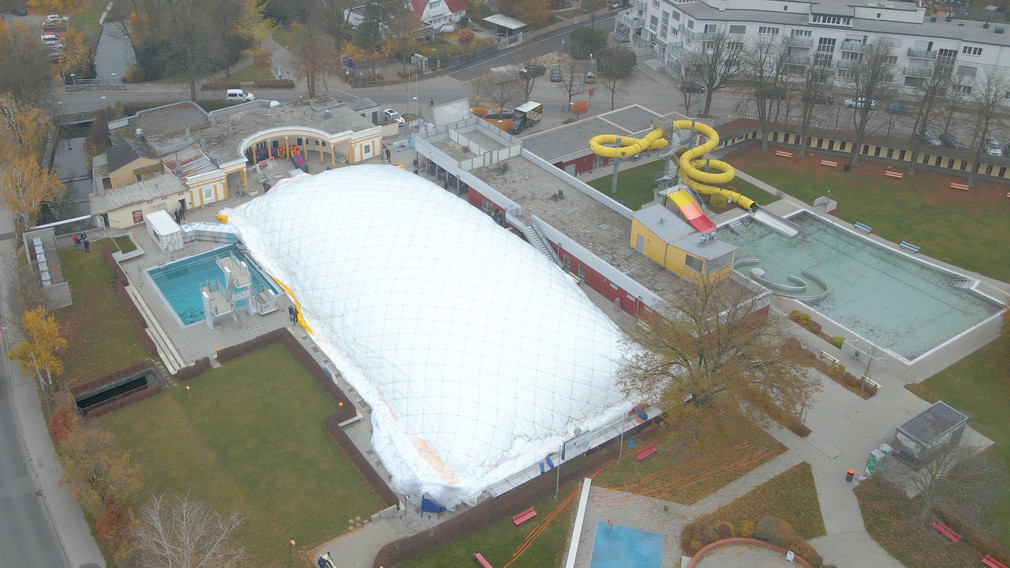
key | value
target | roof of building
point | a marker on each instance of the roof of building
(573, 138)
(126, 149)
(505, 22)
(138, 192)
(933, 422)
(175, 117)
(667, 225)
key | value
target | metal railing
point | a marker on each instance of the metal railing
(921, 53)
(917, 71)
(854, 45)
(800, 42)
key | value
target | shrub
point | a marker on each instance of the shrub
(724, 530)
(273, 84)
(64, 418)
(134, 74)
(717, 201)
(479, 111)
(745, 529)
(838, 341)
(847, 166)
(799, 317)
(465, 37)
(220, 85)
(263, 58)
(776, 531)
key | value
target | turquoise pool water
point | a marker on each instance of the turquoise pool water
(626, 547)
(892, 300)
(179, 281)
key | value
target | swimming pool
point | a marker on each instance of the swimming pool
(179, 282)
(625, 547)
(899, 303)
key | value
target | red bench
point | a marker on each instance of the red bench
(946, 531)
(894, 174)
(523, 517)
(829, 163)
(481, 560)
(645, 452)
(992, 562)
(783, 154)
(961, 186)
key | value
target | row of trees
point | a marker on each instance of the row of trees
(784, 77)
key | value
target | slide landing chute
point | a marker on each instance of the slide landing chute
(691, 212)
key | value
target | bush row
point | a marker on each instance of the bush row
(772, 530)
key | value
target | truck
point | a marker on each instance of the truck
(526, 115)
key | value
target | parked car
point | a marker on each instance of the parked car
(951, 141)
(590, 78)
(994, 148)
(238, 95)
(555, 75)
(19, 11)
(898, 108)
(818, 98)
(393, 116)
(616, 4)
(532, 71)
(930, 137)
(772, 92)
(859, 102)
(692, 88)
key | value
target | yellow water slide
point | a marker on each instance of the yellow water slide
(690, 164)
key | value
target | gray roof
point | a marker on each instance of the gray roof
(573, 138)
(667, 225)
(175, 117)
(125, 149)
(139, 192)
(933, 422)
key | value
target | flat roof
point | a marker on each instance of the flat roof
(667, 225)
(135, 193)
(573, 138)
(505, 22)
(933, 422)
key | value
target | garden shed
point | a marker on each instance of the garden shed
(164, 230)
(934, 429)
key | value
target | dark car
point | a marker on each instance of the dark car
(555, 75)
(771, 93)
(818, 99)
(532, 71)
(692, 88)
(19, 11)
(898, 108)
(951, 141)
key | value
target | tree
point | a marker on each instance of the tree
(253, 25)
(717, 62)
(528, 70)
(368, 35)
(402, 29)
(27, 292)
(571, 81)
(586, 40)
(465, 37)
(593, 7)
(496, 91)
(579, 108)
(23, 128)
(184, 533)
(929, 97)
(533, 11)
(989, 102)
(615, 65)
(814, 91)
(312, 57)
(764, 66)
(42, 345)
(76, 55)
(711, 347)
(871, 78)
(22, 58)
(24, 186)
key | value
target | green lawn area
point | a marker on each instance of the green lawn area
(566, 14)
(978, 386)
(249, 437)
(98, 328)
(636, 186)
(952, 226)
(790, 496)
(498, 541)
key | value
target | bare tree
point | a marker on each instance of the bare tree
(570, 80)
(988, 98)
(712, 347)
(496, 91)
(312, 56)
(529, 68)
(184, 533)
(593, 7)
(717, 62)
(616, 65)
(929, 97)
(871, 78)
(764, 66)
(815, 91)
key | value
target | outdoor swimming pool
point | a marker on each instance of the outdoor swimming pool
(179, 282)
(626, 547)
(896, 302)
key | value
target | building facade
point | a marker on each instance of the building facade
(832, 33)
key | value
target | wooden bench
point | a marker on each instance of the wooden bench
(481, 560)
(783, 154)
(909, 246)
(863, 227)
(829, 163)
(946, 531)
(961, 186)
(645, 452)
(992, 562)
(523, 517)
(871, 382)
(894, 174)
(828, 357)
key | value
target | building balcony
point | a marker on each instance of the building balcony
(693, 35)
(856, 46)
(632, 22)
(674, 50)
(847, 63)
(917, 71)
(921, 53)
(640, 4)
(622, 31)
(798, 60)
(800, 41)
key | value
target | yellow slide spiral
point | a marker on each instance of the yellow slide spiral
(690, 163)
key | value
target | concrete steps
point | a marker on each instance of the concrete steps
(168, 353)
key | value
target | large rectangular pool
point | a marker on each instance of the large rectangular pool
(179, 282)
(897, 302)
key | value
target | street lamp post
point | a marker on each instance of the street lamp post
(73, 80)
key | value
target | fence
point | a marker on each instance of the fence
(80, 85)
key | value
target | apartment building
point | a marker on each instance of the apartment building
(666, 33)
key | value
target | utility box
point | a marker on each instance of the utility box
(164, 230)
(919, 440)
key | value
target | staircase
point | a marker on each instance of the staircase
(740, 225)
(166, 350)
(655, 64)
(534, 238)
(694, 196)
(961, 282)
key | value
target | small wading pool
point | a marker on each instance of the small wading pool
(179, 282)
(896, 302)
(625, 547)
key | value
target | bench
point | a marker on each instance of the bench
(481, 560)
(645, 452)
(643, 326)
(523, 517)
(783, 154)
(828, 357)
(909, 246)
(992, 562)
(894, 174)
(961, 186)
(946, 531)
(829, 163)
(871, 382)
(863, 227)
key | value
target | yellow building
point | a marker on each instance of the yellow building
(660, 234)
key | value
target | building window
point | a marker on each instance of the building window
(966, 71)
(826, 45)
(735, 45)
(891, 59)
(768, 30)
(694, 263)
(486, 206)
(568, 263)
(969, 50)
(802, 33)
(738, 29)
(208, 194)
(963, 89)
(676, 16)
(711, 28)
(690, 24)
(845, 74)
(582, 272)
(366, 149)
(832, 20)
(664, 24)
(914, 81)
(655, 3)
(653, 22)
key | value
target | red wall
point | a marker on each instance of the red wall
(600, 283)
(582, 164)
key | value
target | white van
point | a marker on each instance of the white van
(238, 95)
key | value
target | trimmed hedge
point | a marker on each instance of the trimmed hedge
(220, 86)
(273, 84)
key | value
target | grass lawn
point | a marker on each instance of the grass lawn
(636, 186)
(249, 437)
(498, 541)
(972, 385)
(566, 14)
(125, 244)
(790, 496)
(250, 73)
(98, 328)
(954, 226)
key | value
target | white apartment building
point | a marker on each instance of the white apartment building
(832, 31)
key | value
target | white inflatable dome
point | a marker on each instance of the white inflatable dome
(477, 355)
